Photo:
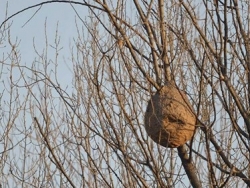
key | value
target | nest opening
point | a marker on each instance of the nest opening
(169, 118)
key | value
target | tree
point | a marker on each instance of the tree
(91, 133)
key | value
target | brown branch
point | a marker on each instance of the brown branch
(57, 163)
(149, 30)
(189, 167)
(236, 171)
(164, 44)
(130, 47)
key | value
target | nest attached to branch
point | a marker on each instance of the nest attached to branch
(169, 118)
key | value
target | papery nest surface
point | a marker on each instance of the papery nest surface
(169, 118)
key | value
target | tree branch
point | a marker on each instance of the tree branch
(189, 167)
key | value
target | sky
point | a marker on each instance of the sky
(56, 15)
(28, 28)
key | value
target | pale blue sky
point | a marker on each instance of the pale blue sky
(34, 30)
(55, 14)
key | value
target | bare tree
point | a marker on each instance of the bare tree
(91, 133)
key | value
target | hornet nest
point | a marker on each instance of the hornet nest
(169, 118)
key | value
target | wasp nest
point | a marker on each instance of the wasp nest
(169, 119)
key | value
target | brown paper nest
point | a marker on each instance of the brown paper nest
(169, 118)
